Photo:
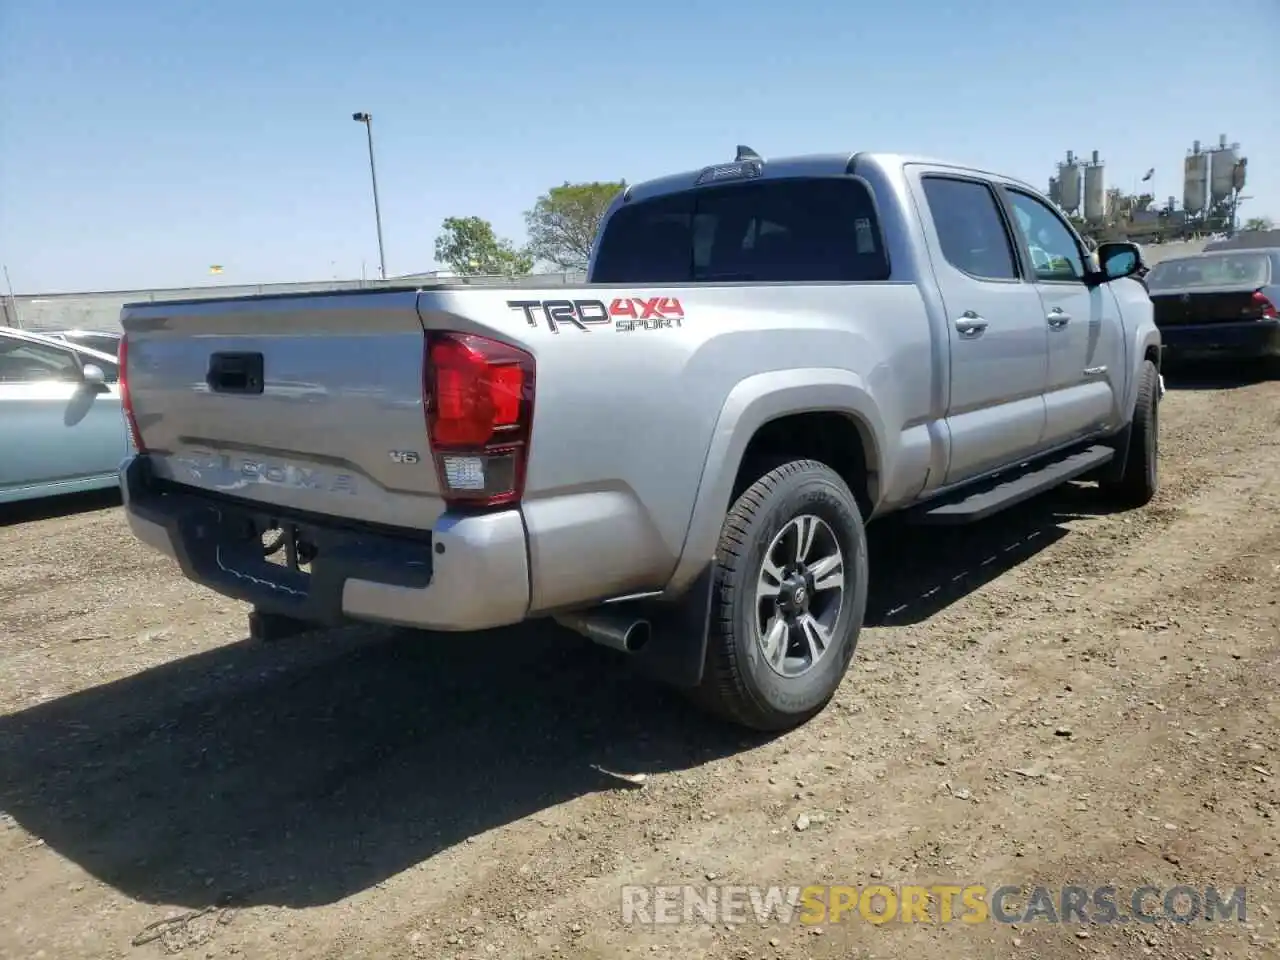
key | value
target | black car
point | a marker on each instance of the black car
(1218, 304)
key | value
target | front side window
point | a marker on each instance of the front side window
(803, 230)
(102, 342)
(1054, 252)
(22, 361)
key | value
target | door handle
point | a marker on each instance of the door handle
(970, 325)
(1057, 318)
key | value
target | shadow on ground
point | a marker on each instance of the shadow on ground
(66, 505)
(1216, 374)
(299, 773)
(918, 571)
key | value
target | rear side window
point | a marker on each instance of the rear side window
(808, 230)
(970, 229)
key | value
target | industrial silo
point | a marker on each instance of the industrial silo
(1195, 181)
(1069, 183)
(1055, 191)
(1240, 174)
(1222, 163)
(1095, 191)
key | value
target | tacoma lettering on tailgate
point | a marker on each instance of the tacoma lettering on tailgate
(229, 472)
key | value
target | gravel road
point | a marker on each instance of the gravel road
(1059, 696)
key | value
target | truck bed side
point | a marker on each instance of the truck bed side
(626, 413)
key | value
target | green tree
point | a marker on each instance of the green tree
(563, 222)
(469, 246)
(1259, 223)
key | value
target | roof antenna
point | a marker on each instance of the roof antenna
(746, 153)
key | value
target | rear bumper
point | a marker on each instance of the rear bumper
(471, 572)
(1244, 340)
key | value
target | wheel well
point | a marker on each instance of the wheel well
(1153, 354)
(835, 439)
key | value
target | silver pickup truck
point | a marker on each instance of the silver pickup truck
(678, 458)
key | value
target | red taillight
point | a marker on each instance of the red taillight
(1266, 309)
(479, 400)
(126, 401)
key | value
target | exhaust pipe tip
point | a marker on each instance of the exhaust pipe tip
(637, 636)
(626, 634)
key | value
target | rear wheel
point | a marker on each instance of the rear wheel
(1138, 483)
(790, 594)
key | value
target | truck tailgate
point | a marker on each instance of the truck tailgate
(312, 402)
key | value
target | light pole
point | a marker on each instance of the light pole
(367, 120)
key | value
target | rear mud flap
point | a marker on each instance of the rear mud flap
(677, 649)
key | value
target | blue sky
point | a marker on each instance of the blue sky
(142, 141)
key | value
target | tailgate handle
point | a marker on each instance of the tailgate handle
(235, 373)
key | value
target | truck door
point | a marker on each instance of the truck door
(1086, 342)
(995, 321)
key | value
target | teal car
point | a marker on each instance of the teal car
(62, 429)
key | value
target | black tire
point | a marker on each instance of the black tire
(1140, 479)
(738, 683)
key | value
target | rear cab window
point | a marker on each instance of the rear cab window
(813, 229)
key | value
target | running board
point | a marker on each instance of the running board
(1005, 491)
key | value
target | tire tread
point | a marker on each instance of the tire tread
(723, 691)
(1132, 489)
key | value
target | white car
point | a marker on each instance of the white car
(61, 424)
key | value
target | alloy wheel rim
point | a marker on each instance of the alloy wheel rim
(799, 596)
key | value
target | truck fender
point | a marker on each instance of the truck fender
(751, 404)
(1146, 339)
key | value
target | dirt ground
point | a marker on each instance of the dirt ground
(1058, 696)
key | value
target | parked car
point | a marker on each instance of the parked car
(677, 459)
(1246, 240)
(61, 426)
(1223, 304)
(103, 342)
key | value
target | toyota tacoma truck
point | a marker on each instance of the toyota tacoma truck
(676, 459)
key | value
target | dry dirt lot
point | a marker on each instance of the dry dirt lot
(1058, 696)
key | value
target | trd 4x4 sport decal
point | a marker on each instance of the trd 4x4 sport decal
(623, 314)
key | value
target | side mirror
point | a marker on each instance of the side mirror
(1118, 259)
(94, 376)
